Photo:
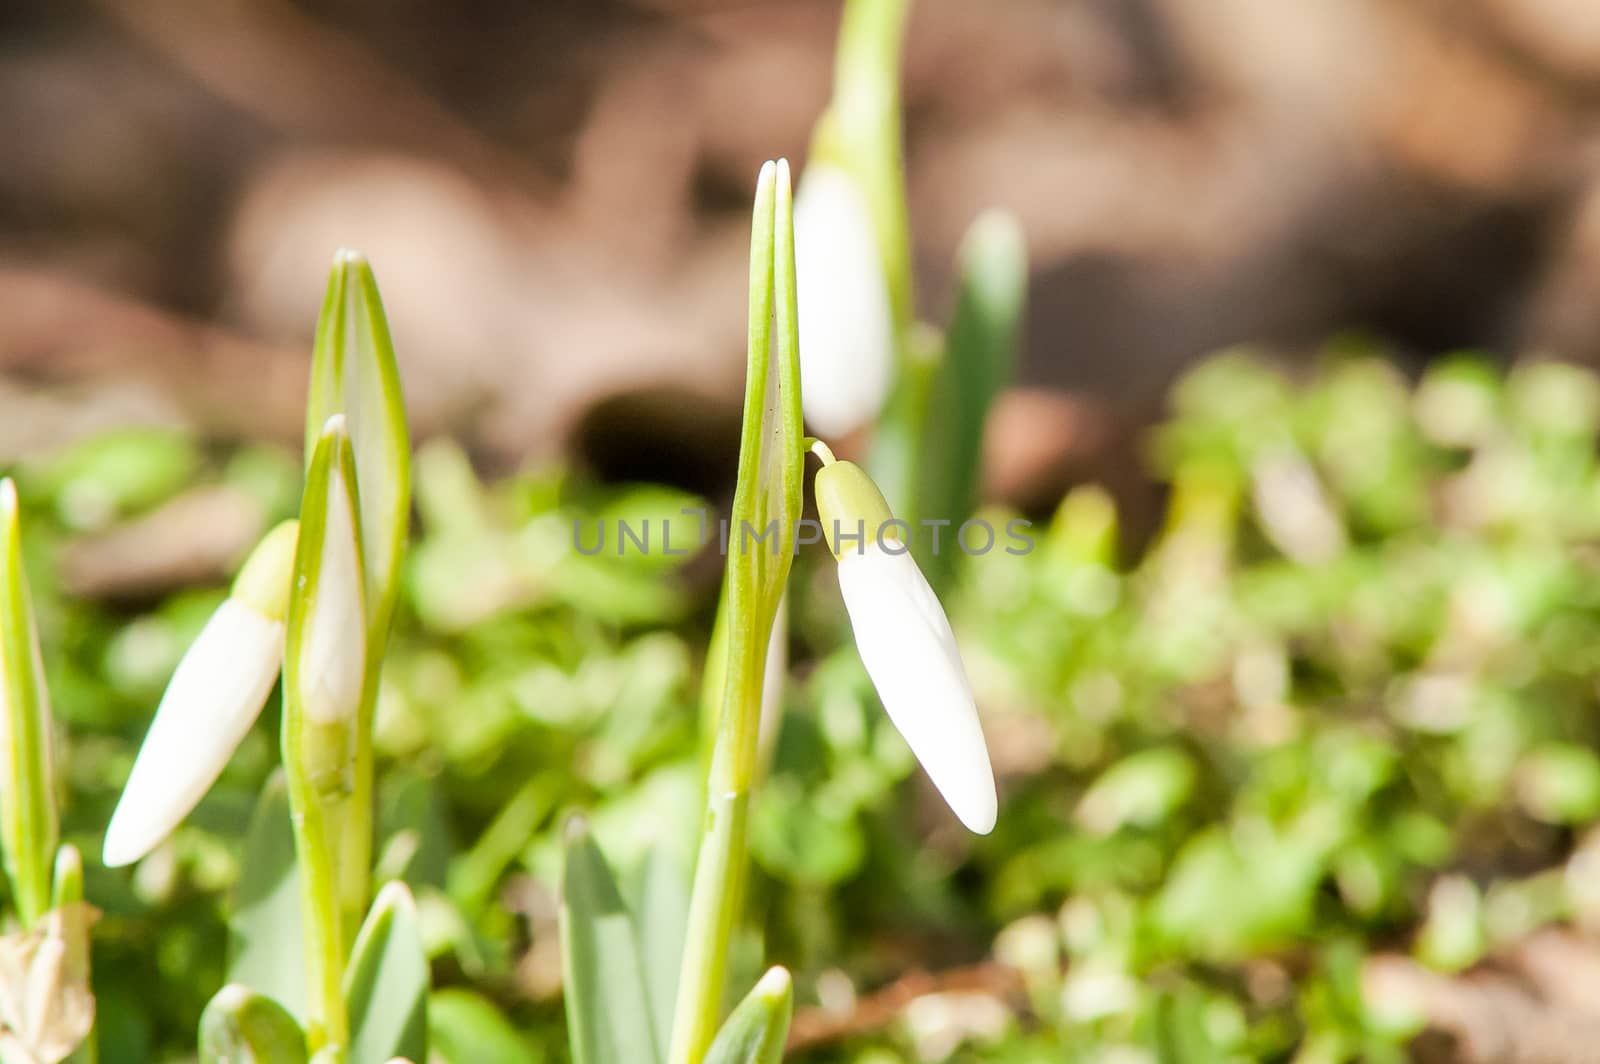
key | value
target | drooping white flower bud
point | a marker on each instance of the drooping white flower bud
(846, 326)
(906, 644)
(215, 695)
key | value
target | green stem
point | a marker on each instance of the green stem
(768, 487)
(355, 867)
(318, 758)
(720, 868)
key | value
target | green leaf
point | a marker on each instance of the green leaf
(609, 1017)
(463, 1028)
(386, 983)
(663, 909)
(28, 826)
(240, 1026)
(980, 355)
(266, 934)
(354, 373)
(756, 1031)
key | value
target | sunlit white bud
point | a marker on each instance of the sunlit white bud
(908, 649)
(333, 656)
(905, 640)
(214, 697)
(846, 326)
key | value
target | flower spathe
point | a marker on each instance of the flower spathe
(846, 326)
(215, 695)
(907, 646)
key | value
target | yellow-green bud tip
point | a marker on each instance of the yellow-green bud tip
(348, 257)
(8, 499)
(850, 505)
(263, 582)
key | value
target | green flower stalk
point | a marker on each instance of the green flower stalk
(766, 504)
(325, 665)
(28, 827)
(354, 374)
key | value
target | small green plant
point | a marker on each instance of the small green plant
(314, 600)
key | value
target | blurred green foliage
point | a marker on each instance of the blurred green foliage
(1343, 701)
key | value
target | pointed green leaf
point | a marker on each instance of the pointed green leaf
(240, 1026)
(28, 827)
(266, 934)
(663, 919)
(386, 984)
(980, 356)
(463, 1028)
(609, 1018)
(354, 373)
(756, 1031)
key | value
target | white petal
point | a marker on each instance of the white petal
(909, 651)
(215, 695)
(846, 333)
(333, 659)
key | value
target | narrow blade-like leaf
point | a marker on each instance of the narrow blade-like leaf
(663, 919)
(266, 934)
(609, 1018)
(28, 826)
(980, 357)
(386, 984)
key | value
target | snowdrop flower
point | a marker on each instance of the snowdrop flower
(905, 641)
(846, 327)
(332, 648)
(214, 697)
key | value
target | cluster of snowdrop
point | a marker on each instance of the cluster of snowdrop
(312, 605)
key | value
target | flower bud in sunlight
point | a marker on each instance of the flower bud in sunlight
(846, 328)
(906, 643)
(332, 645)
(214, 697)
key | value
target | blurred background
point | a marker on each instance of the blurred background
(1298, 717)
(555, 198)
